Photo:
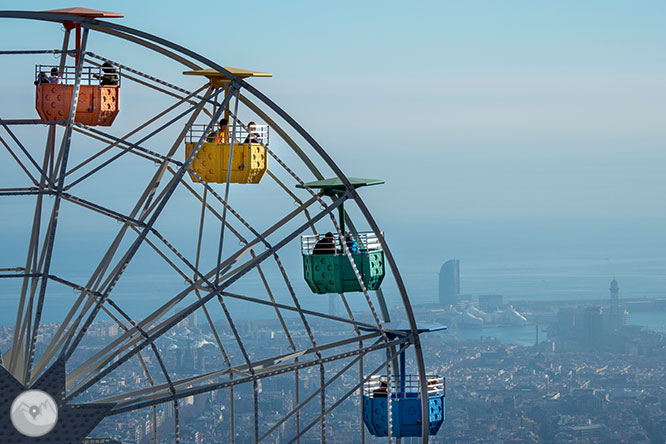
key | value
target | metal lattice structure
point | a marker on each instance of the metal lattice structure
(222, 259)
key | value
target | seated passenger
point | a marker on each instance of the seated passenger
(351, 243)
(41, 78)
(325, 245)
(219, 136)
(381, 391)
(54, 77)
(110, 76)
(253, 135)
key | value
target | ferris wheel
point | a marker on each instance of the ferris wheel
(172, 235)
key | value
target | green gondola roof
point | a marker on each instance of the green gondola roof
(335, 185)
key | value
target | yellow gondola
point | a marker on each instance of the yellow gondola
(249, 160)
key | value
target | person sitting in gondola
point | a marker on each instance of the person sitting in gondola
(41, 78)
(252, 134)
(325, 245)
(381, 391)
(110, 76)
(220, 136)
(54, 77)
(351, 243)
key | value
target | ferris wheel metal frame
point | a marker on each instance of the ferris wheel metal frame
(50, 179)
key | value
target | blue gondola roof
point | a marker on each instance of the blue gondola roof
(335, 185)
(403, 327)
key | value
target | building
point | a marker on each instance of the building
(449, 282)
(490, 302)
(333, 304)
(616, 315)
(566, 321)
(593, 327)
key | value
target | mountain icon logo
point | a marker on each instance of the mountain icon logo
(34, 413)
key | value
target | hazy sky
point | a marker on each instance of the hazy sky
(471, 111)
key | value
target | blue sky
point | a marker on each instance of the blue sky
(471, 111)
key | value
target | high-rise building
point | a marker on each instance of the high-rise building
(333, 304)
(449, 282)
(566, 321)
(616, 315)
(593, 327)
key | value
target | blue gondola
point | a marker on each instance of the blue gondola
(406, 395)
